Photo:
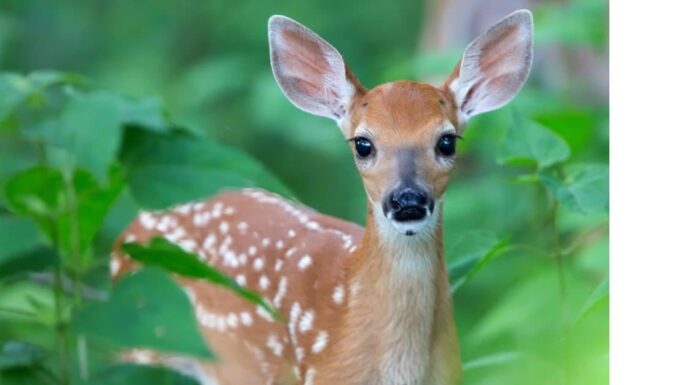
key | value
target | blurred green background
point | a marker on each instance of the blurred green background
(526, 214)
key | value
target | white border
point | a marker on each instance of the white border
(653, 190)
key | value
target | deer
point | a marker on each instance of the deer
(362, 305)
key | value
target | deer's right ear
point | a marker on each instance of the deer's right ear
(310, 71)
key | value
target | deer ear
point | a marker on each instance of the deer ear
(494, 67)
(309, 70)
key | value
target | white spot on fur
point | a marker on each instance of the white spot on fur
(147, 220)
(299, 354)
(290, 252)
(242, 227)
(114, 265)
(265, 242)
(279, 244)
(291, 233)
(224, 227)
(321, 342)
(241, 279)
(309, 376)
(338, 294)
(258, 264)
(278, 265)
(275, 345)
(232, 320)
(245, 316)
(282, 290)
(252, 250)
(304, 262)
(306, 321)
(264, 282)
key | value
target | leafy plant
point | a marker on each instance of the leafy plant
(92, 149)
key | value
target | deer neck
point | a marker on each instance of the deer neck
(395, 295)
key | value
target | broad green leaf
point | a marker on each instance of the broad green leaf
(17, 236)
(14, 354)
(41, 193)
(473, 251)
(90, 129)
(162, 253)
(529, 141)
(164, 169)
(147, 113)
(585, 189)
(146, 309)
(121, 374)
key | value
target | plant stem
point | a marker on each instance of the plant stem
(557, 253)
(76, 257)
(61, 335)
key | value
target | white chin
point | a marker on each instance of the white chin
(410, 227)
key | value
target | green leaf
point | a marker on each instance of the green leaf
(141, 374)
(17, 236)
(494, 359)
(473, 251)
(585, 189)
(41, 193)
(147, 113)
(528, 141)
(162, 253)
(90, 129)
(16, 354)
(599, 296)
(166, 169)
(13, 89)
(146, 309)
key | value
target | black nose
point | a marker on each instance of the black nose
(409, 204)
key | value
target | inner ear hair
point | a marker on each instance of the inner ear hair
(494, 67)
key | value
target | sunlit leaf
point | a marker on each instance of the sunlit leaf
(585, 189)
(528, 141)
(166, 169)
(146, 309)
(162, 253)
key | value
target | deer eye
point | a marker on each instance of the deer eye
(363, 147)
(446, 145)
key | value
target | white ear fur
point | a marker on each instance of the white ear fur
(310, 72)
(494, 67)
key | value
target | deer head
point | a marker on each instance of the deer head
(403, 133)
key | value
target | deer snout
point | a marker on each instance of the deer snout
(408, 203)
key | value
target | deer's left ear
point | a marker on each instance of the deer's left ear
(494, 67)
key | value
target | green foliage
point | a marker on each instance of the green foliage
(164, 169)
(525, 218)
(93, 152)
(527, 140)
(139, 374)
(585, 189)
(145, 309)
(162, 253)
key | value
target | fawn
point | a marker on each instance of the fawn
(363, 306)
